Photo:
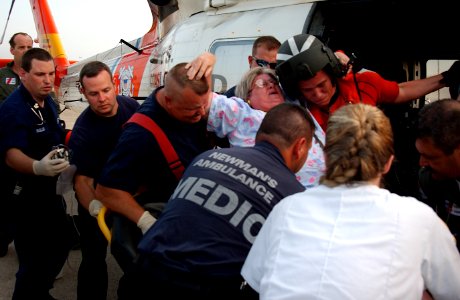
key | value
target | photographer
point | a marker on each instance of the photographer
(29, 128)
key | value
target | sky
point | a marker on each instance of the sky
(86, 27)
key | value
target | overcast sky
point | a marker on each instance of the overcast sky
(86, 27)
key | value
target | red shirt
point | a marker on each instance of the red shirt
(372, 87)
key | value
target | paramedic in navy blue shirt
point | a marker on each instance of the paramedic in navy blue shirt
(137, 164)
(93, 138)
(200, 241)
(29, 128)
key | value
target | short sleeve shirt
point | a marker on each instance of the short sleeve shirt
(137, 161)
(373, 90)
(218, 208)
(94, 137)
(34, 131)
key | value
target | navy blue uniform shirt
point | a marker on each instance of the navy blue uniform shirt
(32, 130)
(217, 210)
(94, 137)
(138, 162)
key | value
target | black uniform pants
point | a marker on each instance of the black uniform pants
(151, 280)
(42, 241)
(6, 222)
(7, 184)
(92, 274)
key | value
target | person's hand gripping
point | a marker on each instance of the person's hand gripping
(48, 166)
(451, 77)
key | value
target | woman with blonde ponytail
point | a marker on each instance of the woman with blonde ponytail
(349, 238)
(359, 146)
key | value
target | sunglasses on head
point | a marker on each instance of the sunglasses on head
(264, 64)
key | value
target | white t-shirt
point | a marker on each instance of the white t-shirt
(358, 242)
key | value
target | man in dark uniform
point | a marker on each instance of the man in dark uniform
(20, 42)
(438, 142)
(29, 128)
(200, 241)
(93, 138)
(9, 80)
(137, 164)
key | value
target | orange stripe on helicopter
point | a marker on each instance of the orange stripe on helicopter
(49, 38)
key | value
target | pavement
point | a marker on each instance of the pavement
(65, 287)
(69, 116)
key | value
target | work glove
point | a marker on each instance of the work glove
(451, 77)
(145, 222)
(48, 166)
(95, 207)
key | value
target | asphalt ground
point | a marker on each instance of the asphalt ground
(69, 116)
(65, 287)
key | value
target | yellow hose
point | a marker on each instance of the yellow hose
(102, 225)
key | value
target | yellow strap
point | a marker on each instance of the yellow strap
(102, 225)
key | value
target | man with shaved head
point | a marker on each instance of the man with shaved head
(137, 171)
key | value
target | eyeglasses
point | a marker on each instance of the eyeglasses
(264, 64)
(262, 83)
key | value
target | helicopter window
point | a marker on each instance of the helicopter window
(230, 56)
(436, 67)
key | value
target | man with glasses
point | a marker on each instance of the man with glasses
(264, 50)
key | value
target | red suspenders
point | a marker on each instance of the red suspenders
(169, 153)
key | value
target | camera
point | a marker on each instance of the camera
(62, 152)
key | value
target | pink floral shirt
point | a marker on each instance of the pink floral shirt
(235, 119)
